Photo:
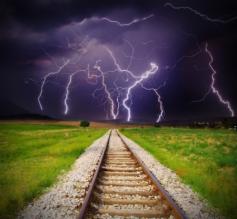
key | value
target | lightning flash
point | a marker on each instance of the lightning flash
(213, 87)
(118, 23)
(114, 96)
(151, 71)
(45, 80)
(67, 93)
(203, 16)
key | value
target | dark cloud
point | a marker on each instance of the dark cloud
(44, 14)
(33, 33)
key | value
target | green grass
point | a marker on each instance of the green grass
(205, 159)
(31, 158)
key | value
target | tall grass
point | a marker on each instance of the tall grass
(32, 156)
(205, 159)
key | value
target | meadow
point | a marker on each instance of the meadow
(205, 159)
(32, 156)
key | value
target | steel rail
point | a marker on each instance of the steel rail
(89, 193)
(177, 211)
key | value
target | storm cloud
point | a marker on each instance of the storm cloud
(37, 34)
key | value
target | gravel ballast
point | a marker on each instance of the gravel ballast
(65, 198)
(189, 201)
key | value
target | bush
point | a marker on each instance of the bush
(84, 124)
(157, 125)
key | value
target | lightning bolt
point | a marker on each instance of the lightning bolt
(212, 87)
(118, 23)
(145, 75)
(113, 112)
(67, 89)
(203, 16)
(67, 93)
(159, 99)
(134, 21)
(45, 79)
(160, 116)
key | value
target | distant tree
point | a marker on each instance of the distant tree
(84, 124)
(157, 125)
(235, 127)
(193, 125)
(228, 123)
(213, 125)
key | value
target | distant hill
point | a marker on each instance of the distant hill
(189, 121)
(26, 117)
(8, 108)
(10, 111)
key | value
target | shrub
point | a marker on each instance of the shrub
(85, 124)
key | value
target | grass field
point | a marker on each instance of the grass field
(205, 159)
(32, 156)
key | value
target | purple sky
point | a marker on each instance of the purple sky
(37, 37)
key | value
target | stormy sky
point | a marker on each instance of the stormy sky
(39, 36)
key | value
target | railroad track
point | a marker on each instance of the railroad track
(123, 187)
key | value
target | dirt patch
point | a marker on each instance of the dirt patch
(109, 125)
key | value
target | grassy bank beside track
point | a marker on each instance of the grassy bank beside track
(32, 156)
(205, 159)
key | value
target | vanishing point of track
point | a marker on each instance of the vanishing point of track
(123, 187)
